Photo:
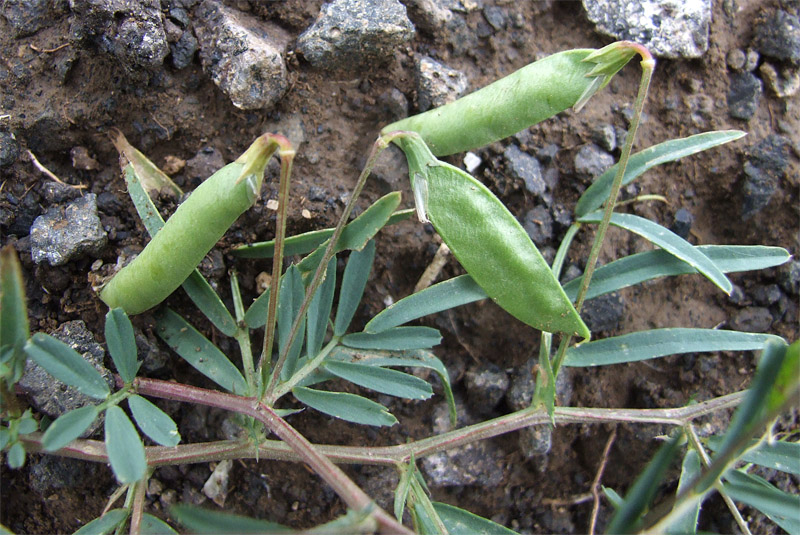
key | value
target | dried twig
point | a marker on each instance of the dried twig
(38, 165)
(596, 483)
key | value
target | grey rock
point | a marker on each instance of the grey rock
(49, 473)
(9, 149)
(603, 313)
(64, 233)
(525, 167)
(438, 84)
(183, 50)
(767, 295)
(131, 31)
(538, 223)
(242, 55)
(744, 93)
(784, 84)
(660, 25)
(764, 169)
(27, 17)
(56, 192)
(495, 16)
(753, 320)
(736, 59)
(391, 170)
(606, 136)
(547, 153)
(486, 385)
(52, 397)
(789, 276)
(738, 297)
(353, 33)
(682, 223)
(778, 36)
(752, 59)
(152, 357)
(474, 464)
(395, 102)
(202, 165)
(535, 443)
(434, 15)
(591, 161)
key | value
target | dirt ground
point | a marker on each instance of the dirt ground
(179, 112)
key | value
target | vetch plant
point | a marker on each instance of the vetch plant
(306, 343)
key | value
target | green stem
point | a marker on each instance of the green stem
(242, 336)
(380, 144)
(309, 367)
(287, 158)
(137, 508)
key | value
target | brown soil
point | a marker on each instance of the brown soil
(341, 113)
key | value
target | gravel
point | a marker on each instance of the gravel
(65, 233)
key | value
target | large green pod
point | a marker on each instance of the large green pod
(490, 243)
(191, 232)
(528, 96)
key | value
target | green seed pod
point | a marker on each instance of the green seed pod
(187, 236)
(528, 96)
(489, 243)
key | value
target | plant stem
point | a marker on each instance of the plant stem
(92, 450)
(286, 153)
(137, 509)
(242, 336)
(303, 372)
(648, 65)
(380, 144)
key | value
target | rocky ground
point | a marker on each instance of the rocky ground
(192, 83)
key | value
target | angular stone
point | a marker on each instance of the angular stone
(242, 55)
(744, 93)
(353, 33)
(591, 160)
(438, 84)
(667, 30)
(778, 36)
(67, 232)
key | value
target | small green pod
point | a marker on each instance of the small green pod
(191, 232)
(490, 243)
(528, 96)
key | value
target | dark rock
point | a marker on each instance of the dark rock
(131, 31)
(179, 15)
(27, 17)
(682, 223)
(205, 163)
(743, 95)
(52, 397)
(183, 50)
(538, 223)
(49, 473)
(657, 24)
(603, 313)
(591, 161)
(67, 232)
(547, 153)
(316, 194)
(150, 354)
(395, 102)
(525, 167)
(737, 296)
(605, 136)
(438, 84)
(778, 36)
(495, 16)
(9, 149)
(789, 277)
(242, 55)
(479, 463)
(767, 295)
(764, 169)
(486, 385)
(391, 170)
(350, 34)
(753, 320)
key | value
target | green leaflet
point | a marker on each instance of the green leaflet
(345, 406)
(669, 241)
(198, 351)
(121, 344)
(354, 281)
(104, 524)
(640, 267)
(124, 447)
(461, 522)
(208, 522)
(436, 298)
(68, 427)
(65, 364)
(154, 422)
(395, 339)
(385, 381)
(643, 345)
(668, 151)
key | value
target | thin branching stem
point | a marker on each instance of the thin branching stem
(596, 483)
(380, 144)
(287, 154)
